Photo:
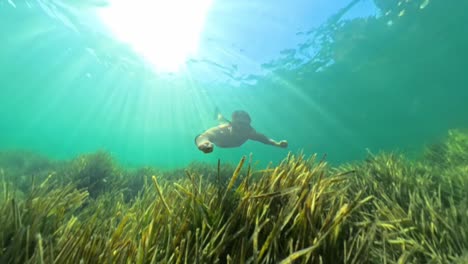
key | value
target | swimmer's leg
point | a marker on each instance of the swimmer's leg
(219, 117)
(217, 113)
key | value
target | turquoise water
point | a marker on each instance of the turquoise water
(331, 77)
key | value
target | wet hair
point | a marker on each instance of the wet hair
(240, 116)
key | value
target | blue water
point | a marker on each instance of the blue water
(339, 78)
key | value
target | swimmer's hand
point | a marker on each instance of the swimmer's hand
(283, 144)
(206, 147)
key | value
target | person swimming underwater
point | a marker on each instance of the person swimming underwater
(233, 134)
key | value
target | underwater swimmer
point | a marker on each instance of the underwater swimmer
(233, 134)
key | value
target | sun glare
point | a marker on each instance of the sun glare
(164, 32)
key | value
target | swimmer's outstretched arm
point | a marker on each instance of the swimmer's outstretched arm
(203, 141)
(266, 140)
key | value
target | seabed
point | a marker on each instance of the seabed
(385, 209)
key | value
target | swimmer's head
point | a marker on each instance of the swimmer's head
(240, 117)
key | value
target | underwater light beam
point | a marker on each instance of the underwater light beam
(164, 32)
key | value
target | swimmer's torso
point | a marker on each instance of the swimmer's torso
(227, 137)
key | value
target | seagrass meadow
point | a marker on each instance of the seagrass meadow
(384, 209)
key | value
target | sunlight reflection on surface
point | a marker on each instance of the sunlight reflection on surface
(164, 32)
